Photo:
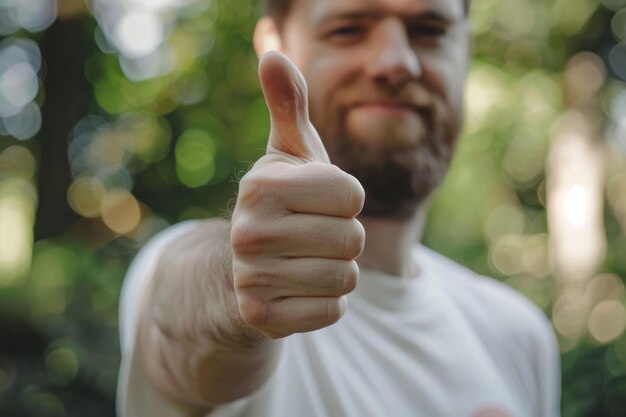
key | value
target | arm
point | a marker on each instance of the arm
(195, 347)
(223, 294)
(158, 375)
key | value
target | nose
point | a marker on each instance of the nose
(395, 62)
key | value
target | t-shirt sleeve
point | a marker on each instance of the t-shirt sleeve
(531, 338)
(132, 396)
(135, 398)
(547, 369)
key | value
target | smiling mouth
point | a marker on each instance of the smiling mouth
(386, 108)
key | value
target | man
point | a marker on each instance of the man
(252, 317)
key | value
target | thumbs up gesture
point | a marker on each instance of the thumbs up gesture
(294, 231)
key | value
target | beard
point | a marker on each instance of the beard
(400, 168)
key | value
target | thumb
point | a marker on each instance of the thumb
(285, 93)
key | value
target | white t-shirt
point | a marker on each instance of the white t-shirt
(444, 343)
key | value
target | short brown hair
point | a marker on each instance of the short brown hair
(278, 9)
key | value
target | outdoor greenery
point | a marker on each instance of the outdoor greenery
(110, 133)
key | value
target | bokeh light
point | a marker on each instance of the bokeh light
(617, 60)
(614, 4)
(23, 125)
(86, 195)
(504, 220)
(195, 153)
(618, 24)
(575, 203)
(120, 211)
(138, 34)
(63, 363)
(607, 321)
(604, 287)
(19, 84)
(18, 199)
(138, 29)
(32, 15)
(584, 77)
(169, 115)
(20, 62)
(17, 210)
(570, 16)
(569, 318)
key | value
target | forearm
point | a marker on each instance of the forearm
(194, 344)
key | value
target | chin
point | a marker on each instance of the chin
(411, 179)
(398, 171)
(400, 157)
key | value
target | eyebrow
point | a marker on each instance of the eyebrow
(429, 15)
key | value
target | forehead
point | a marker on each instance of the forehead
(319, 10)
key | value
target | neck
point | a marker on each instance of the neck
(388, 243)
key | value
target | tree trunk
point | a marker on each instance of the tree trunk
(65, 103)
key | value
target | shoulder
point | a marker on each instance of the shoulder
(134, 396)
(511, 328)
(493, 307)
(150, 253)
(139, 271)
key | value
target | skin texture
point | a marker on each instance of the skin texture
(386, 82)
(294, 232)
(382, 77)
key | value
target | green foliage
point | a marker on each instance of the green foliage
(145, 152)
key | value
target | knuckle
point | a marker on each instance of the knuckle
(350, 277)
(355, 196)
(334, 310)
(255, 313)
(350, 190)
(354, 239)
(248, 278)
(249, 190)
(239, 273)
(261, 185)
(247, 236)
(360, 231)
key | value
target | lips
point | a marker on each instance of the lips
(385, 107)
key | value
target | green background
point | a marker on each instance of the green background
(119, 155)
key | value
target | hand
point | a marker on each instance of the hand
(294, 231)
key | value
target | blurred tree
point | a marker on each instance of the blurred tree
(63, 50)
(151, 110)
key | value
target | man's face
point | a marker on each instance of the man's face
(385, 82)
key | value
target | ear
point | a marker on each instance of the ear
(267, 36)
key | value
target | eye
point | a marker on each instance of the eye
(426, 32)
(347, 32)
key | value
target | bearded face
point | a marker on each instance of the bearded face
(385, 84)
(399, 150)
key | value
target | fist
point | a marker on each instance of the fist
(294, 231)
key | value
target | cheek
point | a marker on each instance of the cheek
(447, 80)
(454, 74)
(326, 79)
(456, 100)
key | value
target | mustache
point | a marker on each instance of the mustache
(427, 104)
(410, 95)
